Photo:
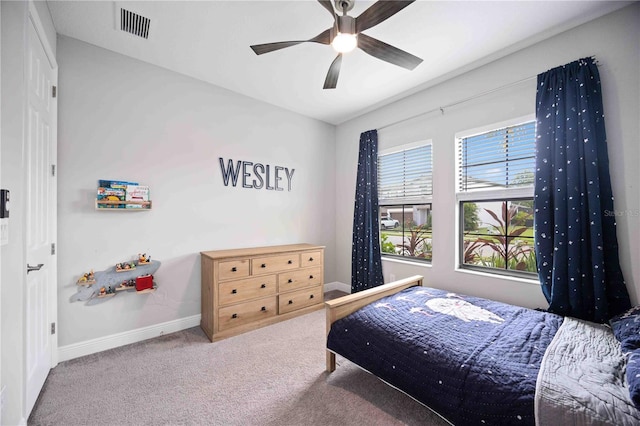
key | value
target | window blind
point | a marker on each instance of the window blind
(502, 158)
(405, 177)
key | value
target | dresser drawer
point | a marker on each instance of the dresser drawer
(232, 269)
(310, 258)
(245, 313)
(294, 280)
(299, 299)
(231, 292)
(270, 264)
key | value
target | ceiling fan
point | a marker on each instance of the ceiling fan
(346, 34)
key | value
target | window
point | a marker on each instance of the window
(495, 200)
(405, 187)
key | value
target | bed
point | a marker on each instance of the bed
(478, 361)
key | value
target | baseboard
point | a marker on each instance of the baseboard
(92, 346)
(337, 286)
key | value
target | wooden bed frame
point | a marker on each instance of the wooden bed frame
(343, 306)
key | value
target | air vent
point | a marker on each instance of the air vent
(135, 24)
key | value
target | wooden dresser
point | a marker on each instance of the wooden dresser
(243, 289)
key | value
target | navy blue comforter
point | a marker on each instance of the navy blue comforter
(474, 361)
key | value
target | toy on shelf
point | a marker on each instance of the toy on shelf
(125, 266)
(126, 285)
(106, 292)
(144, 282)
(87, 278)
(143, 259)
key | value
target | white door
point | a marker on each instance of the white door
(40, 186)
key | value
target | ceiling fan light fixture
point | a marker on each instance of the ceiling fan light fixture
(344, 42)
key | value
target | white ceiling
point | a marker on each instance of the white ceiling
(209, 41)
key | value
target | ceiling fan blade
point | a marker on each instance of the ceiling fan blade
(331, 80)
(323, 38)
(388, 53)
(380, 11)
(327, 5)
(259, 49)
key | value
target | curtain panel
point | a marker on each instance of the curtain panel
(366, 262)
(575, 230)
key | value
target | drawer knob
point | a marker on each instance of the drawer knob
(311, 259)
(263, 286)
(234, 316)
(234, 291)
(291, 302)
(264, 265)
(234, 269)
(310, 277)
(290, 262)
(311, 296)
(264, 308)
(290, 281)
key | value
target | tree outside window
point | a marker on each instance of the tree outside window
(500, 235)
(495, 196)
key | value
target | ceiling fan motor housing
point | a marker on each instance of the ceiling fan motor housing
(345, 25)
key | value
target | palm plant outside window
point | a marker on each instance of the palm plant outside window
(405, 188)
(495, 196)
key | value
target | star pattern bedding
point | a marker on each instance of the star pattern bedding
(472, 360)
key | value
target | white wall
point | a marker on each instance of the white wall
(14, 19)
(123, 119)
(613, 39)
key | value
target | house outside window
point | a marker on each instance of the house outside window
(495, 199)
(405, 188)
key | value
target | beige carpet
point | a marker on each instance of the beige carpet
(271, 376)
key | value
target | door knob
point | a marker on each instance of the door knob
(34, 268)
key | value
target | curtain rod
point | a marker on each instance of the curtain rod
(479, 95)
(442, 108)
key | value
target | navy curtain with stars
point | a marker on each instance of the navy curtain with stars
(366, 263)
(575, 231)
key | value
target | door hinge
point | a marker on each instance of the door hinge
(54, 91)
(53, 170)
(53, 328)
(53, 248)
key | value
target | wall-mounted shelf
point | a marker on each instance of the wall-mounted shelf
(149, 290)
(133, 290)
(122, 195)
(123, 205)
(112, 280)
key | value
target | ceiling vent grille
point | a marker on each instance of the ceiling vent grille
(135, 24)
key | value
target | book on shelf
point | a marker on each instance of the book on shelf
(139, 193)
(110, 194)
(116, 184)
